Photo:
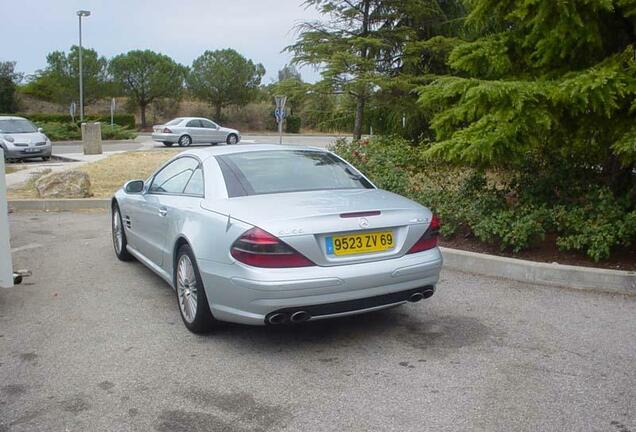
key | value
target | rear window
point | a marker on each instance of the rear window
(267, 172)
(174, 122)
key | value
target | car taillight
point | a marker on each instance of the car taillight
(166, 130)
(429, 238)
(259, 248)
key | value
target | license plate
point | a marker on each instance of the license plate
(31, 150)
(359, 243)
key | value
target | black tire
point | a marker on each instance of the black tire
(203, 320)
(46, 158)
(185, 141)
(230, 138)
(121, 251)
(167, 144)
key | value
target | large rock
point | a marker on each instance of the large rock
(65, 184)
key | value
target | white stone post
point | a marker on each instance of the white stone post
(92, 138)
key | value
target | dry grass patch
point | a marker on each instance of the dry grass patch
(11, 169)
(109, 174)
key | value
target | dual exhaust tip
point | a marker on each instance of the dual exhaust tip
(279, 318)
(284, 318)
(415, 297)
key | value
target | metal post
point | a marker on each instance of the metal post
(81, 72)
(280, 115)
(112, 112)
(80, 14)
(6, 266)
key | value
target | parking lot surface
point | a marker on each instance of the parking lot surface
(146, 142)
(89, 343)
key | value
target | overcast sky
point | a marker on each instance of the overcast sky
(182, 29)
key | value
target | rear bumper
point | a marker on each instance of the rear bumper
(247, 295)
(165, 137)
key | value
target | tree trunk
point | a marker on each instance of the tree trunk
(620, 178)
(357, 125)
(217, 113)
(142, 108)
(361, 97)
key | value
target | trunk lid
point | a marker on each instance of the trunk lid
(305, 220)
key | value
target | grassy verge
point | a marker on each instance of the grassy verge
(109, 174)
(11, 169)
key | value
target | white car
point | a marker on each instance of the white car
(193, 130)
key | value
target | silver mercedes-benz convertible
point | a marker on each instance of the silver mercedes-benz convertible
(268, 234)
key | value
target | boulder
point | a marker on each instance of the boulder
(65, 184)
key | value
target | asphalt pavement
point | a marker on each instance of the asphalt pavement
(89, 343)
(145, 142)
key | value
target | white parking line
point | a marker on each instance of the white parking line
(26, 247)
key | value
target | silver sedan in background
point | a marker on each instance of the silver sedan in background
(193, 130)
(268, 234)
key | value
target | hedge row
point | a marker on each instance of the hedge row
(125, 120)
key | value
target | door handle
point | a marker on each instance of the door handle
(163, 212)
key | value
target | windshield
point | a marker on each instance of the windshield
(266, 172)
(17, 126)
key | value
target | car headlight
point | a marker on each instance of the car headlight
(8, 138)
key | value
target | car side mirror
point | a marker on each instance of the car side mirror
(40, 130)
(134, 186)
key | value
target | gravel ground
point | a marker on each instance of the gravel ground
(92, 344)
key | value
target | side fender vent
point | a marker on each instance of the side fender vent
(127, 222)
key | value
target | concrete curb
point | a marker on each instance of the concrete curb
(59, 204)
(559, 275)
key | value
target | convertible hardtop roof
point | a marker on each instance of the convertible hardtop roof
(204, 153)
(11, 118)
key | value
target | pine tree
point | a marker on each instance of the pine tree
(554, 80)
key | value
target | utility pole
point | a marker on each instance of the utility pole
(80, 14)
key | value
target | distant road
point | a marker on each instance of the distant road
(144, 141)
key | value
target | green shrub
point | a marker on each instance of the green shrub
(70, 132)
(388, 162)
(117, 132)
(597, 224)
(515, 211)
(292, 124)
(516, 229)
(61, 131)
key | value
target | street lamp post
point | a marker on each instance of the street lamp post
(80, 14)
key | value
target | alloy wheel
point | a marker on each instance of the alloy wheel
(187, 288)
(118, 234)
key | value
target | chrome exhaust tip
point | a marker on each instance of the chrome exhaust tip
(277, 318)
(300, 316)
(427, 293)
(415, 297)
